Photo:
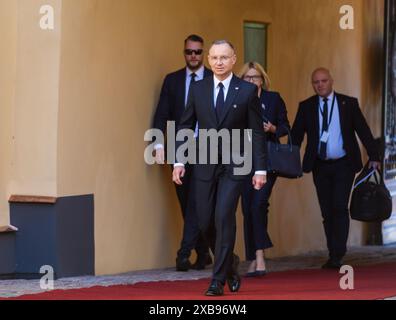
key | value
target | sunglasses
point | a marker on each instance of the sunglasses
(189, 52)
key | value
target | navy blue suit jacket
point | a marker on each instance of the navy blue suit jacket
(241, 111)
(171, 104)
(274, 111)
(352, 121)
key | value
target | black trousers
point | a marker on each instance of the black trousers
(255, 216)
(333, 181)
(217, 202)
(192, 236)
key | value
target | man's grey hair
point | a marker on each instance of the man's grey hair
(218, 42)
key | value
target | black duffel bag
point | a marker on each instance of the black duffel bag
(371, 200)
(284, 159)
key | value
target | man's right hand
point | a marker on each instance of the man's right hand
(258, 181)
(160, 156)
(376, 165)
(178, 173)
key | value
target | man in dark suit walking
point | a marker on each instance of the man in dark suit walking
(223, 102)
(330, 121)
(171, 106)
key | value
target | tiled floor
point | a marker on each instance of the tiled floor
(356, 256)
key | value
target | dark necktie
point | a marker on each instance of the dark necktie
(193, 76)
(220, 101)
(325, 127)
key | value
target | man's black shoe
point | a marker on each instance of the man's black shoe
(182, 264)
(202, 261)
(330, 264)
(215, 289)
(233, 279)
(234, 283)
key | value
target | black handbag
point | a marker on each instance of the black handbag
(371, 200)
(284, 159)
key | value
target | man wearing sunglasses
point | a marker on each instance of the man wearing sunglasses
(171, 106)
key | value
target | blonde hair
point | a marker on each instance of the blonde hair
(255, 65)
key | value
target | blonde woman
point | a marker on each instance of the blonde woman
(255, 202)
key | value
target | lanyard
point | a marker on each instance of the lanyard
(331, 112)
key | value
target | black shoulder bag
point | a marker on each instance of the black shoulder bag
(284, 159)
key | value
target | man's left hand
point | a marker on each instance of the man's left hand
(259, 180)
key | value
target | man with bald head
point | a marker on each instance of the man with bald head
(330, 121)
(223, 103)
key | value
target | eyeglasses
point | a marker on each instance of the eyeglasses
(220, 59)
(252, 78)
(189, 52)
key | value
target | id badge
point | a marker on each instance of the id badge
(325, 137)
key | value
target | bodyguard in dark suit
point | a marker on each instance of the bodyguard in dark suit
(223, 102)
(255, 203)
(171, 106)
(330, 121)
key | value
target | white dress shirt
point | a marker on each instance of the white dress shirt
(335, 143)
(226, 83)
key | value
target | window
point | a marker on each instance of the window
(255, 35)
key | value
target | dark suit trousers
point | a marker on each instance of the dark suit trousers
(333, 182)
(217, 201)
(192, 236)
(255, 216)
